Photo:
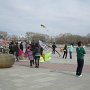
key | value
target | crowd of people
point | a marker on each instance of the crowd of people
(33, 51)
(80, 51)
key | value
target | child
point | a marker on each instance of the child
(30, 56)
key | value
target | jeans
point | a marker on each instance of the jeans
(37, 58)
(70, 53)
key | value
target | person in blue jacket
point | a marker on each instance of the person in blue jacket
(70, 51)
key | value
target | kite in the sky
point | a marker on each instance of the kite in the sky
(43, 26)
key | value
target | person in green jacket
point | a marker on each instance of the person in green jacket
(80, 58)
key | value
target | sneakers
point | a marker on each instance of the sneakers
(79, 75)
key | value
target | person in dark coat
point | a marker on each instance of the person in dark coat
(17, 51)
(37, 54)
(21, 46)
(11, 48)
(53, 48)
(65, 49)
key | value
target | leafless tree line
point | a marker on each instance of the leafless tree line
(59, 39)
(69, 38)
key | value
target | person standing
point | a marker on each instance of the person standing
(12, 47)
(65, 49)
(21, 46)
(37, 54)
(80, 58)
(17, 52)
(70, 51)
(53, 48)
(30, 56)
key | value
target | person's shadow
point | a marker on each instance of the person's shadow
(64, 72)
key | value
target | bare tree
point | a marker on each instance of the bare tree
(37, 36)
(14, 38)
(3, 35)
(69, 38)
(88, 37)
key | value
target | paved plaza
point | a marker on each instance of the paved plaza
(57, 74)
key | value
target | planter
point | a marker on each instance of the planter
(6, 60)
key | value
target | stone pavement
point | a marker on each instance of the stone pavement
(57, 74)
(25, 78)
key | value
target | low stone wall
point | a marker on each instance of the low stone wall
(6, 60)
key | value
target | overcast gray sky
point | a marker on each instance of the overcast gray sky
(59, 16)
